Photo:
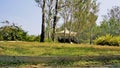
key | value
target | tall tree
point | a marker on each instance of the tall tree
(55, 20)
(49, 17)
(41, 3)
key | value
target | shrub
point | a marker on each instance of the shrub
(30, 38)
(12, 33)
(108, 40)
(16, 33)
(37, 38)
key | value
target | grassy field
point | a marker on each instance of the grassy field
(59, 49)
(55, 49)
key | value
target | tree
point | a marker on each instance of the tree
(82, 15)
(65, 13)
(85, 17)
(49, 17)
(111, 22)
(41, 3)
(55, 20)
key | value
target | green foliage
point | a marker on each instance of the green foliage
(1, 38)
(32, 38)
(37, 38)
(15, 33)
(83, 20)
(108, 40)
(12, 33)
(111, 22)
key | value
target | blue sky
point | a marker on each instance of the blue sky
(28, 15)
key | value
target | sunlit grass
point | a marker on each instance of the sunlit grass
(55, 49)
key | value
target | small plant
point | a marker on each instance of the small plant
(108, 40)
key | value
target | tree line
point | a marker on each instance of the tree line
(76, 15)
(79, 16)
(79, 13)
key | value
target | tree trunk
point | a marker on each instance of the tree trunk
(55, 19)
(42, 36)
(70, 29)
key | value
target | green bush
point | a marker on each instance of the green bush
(30, 38)
(108, 40)
(37, 38)
(16, 33)
(12, 33)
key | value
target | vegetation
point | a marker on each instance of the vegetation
(74, 19)
(111, 22)
(84, 51)
(78, 16)
(109, 25)
(55, 49)
(13, 32)
(63, 9)
(41, 3)
(108, 40)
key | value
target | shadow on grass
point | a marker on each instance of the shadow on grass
(55, 60)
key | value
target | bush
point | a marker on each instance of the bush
(108, 40)
(30, 38)
(12, 33)
(37, 38)
(16, 33)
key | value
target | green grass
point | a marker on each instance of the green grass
(59, 49)
(55, 49)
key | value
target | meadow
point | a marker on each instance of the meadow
(55, 49)
(36, 49)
